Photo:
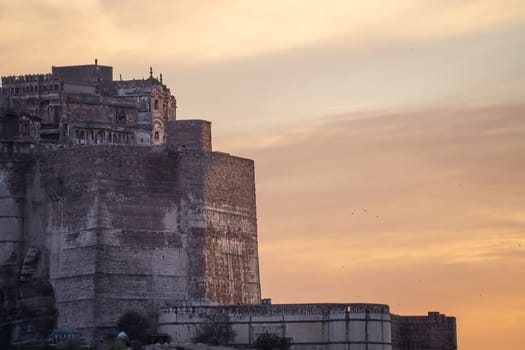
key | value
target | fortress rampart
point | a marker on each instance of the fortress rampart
(310, 326)
(109, 203)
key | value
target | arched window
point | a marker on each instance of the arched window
(156, 104)
(157, 136)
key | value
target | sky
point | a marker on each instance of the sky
(388, 136)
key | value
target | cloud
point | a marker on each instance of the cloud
(419, 209)
(207, 31)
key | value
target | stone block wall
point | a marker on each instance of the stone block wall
(310, 326)
(432, 332)
(12, 202)
(189, 134)
(230, 246)
(26, 298)
(139, 228)
(81, 109)
(92, 73)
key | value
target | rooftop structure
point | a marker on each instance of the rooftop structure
(83, 105)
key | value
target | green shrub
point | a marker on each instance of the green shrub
(216, 331)
(136, 326)
(268, 341)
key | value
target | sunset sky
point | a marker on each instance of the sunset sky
(388, 136)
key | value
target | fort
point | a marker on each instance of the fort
(108, 203)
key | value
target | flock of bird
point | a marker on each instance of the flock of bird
(364, 210)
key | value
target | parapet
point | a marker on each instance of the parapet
(191, 134)
(309, 326)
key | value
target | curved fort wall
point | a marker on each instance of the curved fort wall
(310, 326)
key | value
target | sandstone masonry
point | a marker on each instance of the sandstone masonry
(109, 203)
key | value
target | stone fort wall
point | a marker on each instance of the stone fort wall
(92, 225)
(310, 326)
(126, 227)
(137, 228)
(434, 331)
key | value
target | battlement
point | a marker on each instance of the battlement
(331, 326)
(280, 309)
(27, 78)
(30, 84)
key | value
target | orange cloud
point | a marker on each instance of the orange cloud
(421, 210)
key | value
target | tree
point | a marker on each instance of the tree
(267, 341)
(114, 344)
(216, 331)
(136, 326)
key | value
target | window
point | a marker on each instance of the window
(156, 104)
(157, 136)
(121, 115)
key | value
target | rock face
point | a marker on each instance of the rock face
(93, 226)
(27, 302)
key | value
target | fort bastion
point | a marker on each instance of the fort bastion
(108, 203)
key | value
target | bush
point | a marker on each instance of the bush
(216, 331)
(136, 326)
(268, 341)
(114, 344)
(136, 345)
